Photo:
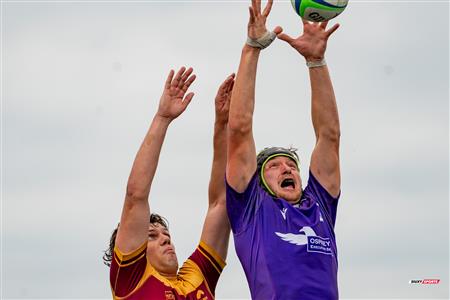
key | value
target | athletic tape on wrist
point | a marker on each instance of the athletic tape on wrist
(315, 64)
(262, 42)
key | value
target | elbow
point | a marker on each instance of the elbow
(135, 194)
(216, 197)
(218, 203)
(332, 135)
(240, 125)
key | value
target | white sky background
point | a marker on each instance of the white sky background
(81, 83)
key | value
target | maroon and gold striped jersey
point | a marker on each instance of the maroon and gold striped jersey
(133, 277)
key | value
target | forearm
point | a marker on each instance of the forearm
(243, 97)
(323, 107)
(146, 161)
(241, 146)
(216, 190)
(216, 228)
(136, 210)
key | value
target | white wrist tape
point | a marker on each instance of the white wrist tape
(315, 64)
(263, 42)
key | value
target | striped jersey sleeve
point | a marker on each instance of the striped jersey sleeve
(210, 264)
(127, 270)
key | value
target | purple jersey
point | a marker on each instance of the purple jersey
(287, 251)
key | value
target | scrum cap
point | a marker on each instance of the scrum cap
(267, 154)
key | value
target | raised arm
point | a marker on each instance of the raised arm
(216, 228)
(241, 163)
(134, 223)
(325, 157)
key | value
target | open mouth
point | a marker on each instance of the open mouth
(288, 183)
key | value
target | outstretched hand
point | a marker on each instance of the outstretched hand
(257, 22)
(174, 99)
(223, 97)
(313, 42)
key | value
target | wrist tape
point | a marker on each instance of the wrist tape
(315, 64)
(263, 42)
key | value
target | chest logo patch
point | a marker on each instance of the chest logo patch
(308, 237)
(283, 212)
(169, 295)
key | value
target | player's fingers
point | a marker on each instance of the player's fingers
(186, 74)
(253, 5)
(268, 8)
(177, 78)
(252, 15)
(229, 83)
(223, 87)
(226, 106)
(257, 7)
(277, 30)
(285, 37)
(230, 86)
(184, 77)
(232, 76)
(228, 80)
(332, 29)
(188, 83)
(169, 79)
(187, 99)
(323, 25)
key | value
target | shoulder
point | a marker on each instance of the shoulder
(206, 255)
(315, 189)
(203, 266)
(251, 187)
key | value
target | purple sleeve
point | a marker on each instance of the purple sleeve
(241, 207)
(317, 192)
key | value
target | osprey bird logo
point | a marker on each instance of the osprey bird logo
(308, 237)
(297, 239)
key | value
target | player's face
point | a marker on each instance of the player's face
(283, 178)
(160, 250)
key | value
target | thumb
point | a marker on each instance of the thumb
(285, 37)
(277, 30)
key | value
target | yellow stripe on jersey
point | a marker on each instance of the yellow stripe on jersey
(189, 272)
(212, 263)
(149, 271)
(130, 262)
(200, 272)
(130, 255)
(189, 278)
(214, 254)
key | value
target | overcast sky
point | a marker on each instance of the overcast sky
(81, 82)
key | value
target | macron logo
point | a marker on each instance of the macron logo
(283, 212)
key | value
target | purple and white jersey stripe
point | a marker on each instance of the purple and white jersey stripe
(287, 251)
